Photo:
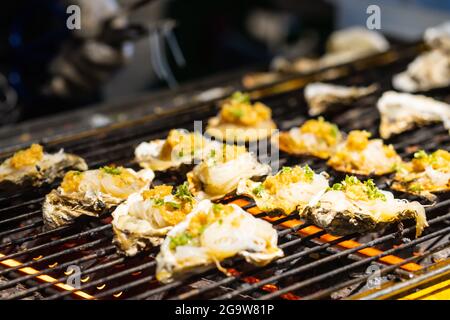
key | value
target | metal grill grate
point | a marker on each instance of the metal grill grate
(316, 265)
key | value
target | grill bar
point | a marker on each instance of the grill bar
(47, 258)
(228, 280)
(382, 271)
(63, 279)
(283, 232)
(35, 237)
(129, 285)
(103, 280)
(56, 242)
(353, 265)
(328, 259)
(416, 281)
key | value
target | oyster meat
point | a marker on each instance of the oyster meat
(240, 120)
(317, 138)
(425, 174)
(364, 156)
(92, 193)
(212, 233)
(342, 46)
(354, 206)
(323, 96)
(145, 218)
(220, 173)
(34, 167)
(289, 190)
(180, 147)
(403, 111)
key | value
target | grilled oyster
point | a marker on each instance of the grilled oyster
(92, 193)
(34, 167)
(430, 69)
(323, 96)
(403, 111)
(240, 120)
(355, 206)
(317, 138)
(359, 155)
(145, 218)
(424, 174)
(289, 190)
(343, 46)
(212, 233)
(438, 37)
(220, 173)
(180, 147)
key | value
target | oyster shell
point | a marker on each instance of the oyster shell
(255, 79)
(343, 46)
(424, 175)
(219, 175)
(212, 233)
(180, 147)
(323, 96)
(317, 138)
(92, 193)
(239, 120)
(145, 218)
(34, 167)
(402, 111)
(289, 190)
(359, 155)
(352, 206)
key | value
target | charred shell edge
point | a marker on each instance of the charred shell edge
(59, 210)
(130, 244)
(347, 222)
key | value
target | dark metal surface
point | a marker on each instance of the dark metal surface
(315, 265)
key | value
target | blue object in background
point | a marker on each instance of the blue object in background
(434, 4)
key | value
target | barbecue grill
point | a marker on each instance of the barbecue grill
(79, 261)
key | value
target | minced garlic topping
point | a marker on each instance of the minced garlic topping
(424, 173)
(119, 178)
(358, 140)
(357, 190)
(186, 143)
(122, 177)
(352, 156)
(438, 160)
(322, 129)
(287, 176)
(198, 224)
(239, 110)
(157, 192)
(72, 181)
(228, 153)
(27, 157)
(175, 211)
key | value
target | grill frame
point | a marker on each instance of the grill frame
(156, 126)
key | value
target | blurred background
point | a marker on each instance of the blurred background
(127, 48)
